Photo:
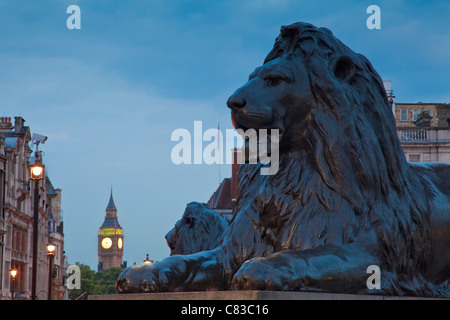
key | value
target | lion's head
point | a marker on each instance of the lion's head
(308, 84)
(339, 151)
(200, 228)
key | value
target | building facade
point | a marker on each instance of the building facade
(423, 128)
(17, 219)
(425, 144)
(406, 114)
(110, 239)
(424, 131)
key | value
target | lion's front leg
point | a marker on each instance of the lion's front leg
(331, 269)
(198, 271)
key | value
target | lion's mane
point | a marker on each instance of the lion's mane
(350, 159)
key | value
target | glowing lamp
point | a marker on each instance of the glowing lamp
(37, 171)
(148, 260)
(13, 273)
(51, 249)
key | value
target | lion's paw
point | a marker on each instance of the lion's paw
(255, 274)
(138, 279)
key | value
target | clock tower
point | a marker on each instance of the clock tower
(110, 239)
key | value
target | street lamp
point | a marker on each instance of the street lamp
(51, 254)
(147, 260)
(13, 273)
(37, 171)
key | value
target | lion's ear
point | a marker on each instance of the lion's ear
(344, 68)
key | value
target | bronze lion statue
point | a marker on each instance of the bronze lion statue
(200, 229)
(344, 197)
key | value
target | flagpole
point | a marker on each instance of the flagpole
(218, 143)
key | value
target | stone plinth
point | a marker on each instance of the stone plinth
(245, 295)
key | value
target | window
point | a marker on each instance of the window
(403, 114)
(414, 158)
(416, 113)
(430, 112)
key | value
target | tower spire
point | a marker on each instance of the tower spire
(111, 206)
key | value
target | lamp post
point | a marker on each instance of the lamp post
(51, 254)
(36, 173)
(13, 273)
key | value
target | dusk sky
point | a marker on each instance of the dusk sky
(109, 95)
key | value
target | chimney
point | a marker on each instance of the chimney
(18, 125)
(234, 173)
(388, 87)
(390, 94)
(5, 124)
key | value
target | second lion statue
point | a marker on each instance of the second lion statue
(199, 229)
(344, 197)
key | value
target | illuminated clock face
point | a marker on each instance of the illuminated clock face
(106, 243)
(120, 243)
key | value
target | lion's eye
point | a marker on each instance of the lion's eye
(189, 221)
(273, 81)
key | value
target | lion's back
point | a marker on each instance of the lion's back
(436, 178)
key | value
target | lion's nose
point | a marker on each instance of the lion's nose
(235, 102)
